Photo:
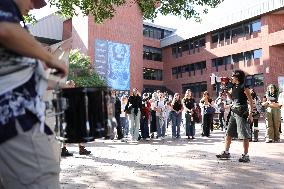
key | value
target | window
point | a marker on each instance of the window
(174, 51)
(191, 45)
(256, 26)
(248, 55)
(152, 74)
(238, 57)
(228, 34)
(196, 88)
(221, 36)
(202, 42)
(237, 31)
(258, 80)
(257, 53)
(151, 53)
(185, 47)
(174, 71)
(214, 38)
(249, 81)
(167, 33)
(219, 61)
(247, 28)
(155, 33)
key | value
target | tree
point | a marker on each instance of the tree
(105, 9)
(81, 72)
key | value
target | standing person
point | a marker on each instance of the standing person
(153, 122)
(134, 106)
(124, 117)
(256, 109)
(241, 114)
(207, 111)
(176, 114)
(27, 159)
(145, 115)
(272, 114)
(117, 112)
(161, 116)
(190, 114)
(220, 102)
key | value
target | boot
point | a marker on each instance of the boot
(65, 152)
(83, 151)
(255, 135)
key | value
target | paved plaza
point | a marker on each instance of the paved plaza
(174, 164)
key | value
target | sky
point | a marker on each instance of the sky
(226, 7)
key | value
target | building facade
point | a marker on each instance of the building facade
(251, 40)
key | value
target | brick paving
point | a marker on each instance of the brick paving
(174, 163)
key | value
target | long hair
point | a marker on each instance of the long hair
(276, 90)
(240, 75)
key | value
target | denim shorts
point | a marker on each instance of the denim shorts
(238, 127)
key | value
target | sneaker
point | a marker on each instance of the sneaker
(268, 140)
(83, 151)
(223, 155)
(65, 152)
(244, 158)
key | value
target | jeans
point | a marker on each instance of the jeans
(176, 120)
(135, 124)
(161, 123)
(189, 125)
(144, 127)
(125, 125)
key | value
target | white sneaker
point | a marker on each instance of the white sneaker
(268, 140)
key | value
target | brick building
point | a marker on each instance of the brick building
(251, 39)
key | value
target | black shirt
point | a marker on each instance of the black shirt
(189, 103)
(177, 105)
(136, 102)
(238, 94)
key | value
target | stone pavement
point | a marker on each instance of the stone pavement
(174, 164)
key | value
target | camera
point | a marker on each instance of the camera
(226, 84)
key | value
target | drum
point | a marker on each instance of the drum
(89, 114)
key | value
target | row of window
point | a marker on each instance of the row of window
(255, 80)
(152, 74)
(151, 53)
(189, 68)
(191, 45)
(155, 33)
(196, 88)
(228, 33)
(235, 58)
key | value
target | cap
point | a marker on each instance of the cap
(39, 3)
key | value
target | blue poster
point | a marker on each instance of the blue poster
(114, 65)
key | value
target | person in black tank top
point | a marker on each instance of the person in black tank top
(190, 114)
(241, 116)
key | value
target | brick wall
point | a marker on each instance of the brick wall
(127, 28)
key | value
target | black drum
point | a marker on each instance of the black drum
(89, 114)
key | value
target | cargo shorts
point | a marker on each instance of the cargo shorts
(238, 127)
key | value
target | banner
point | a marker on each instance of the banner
(112, 62)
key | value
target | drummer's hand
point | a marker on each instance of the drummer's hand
(59, 65)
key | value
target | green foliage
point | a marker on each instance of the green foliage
(30, 19)
(184, 8)
(105, 9)
(81, 72)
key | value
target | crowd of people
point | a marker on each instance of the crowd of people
(236, 110)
